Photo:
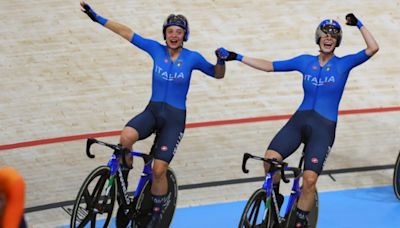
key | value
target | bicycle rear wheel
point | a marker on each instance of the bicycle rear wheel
(312, 216)
(396, 177)
(91, 203)
(255, 212)
(144, 204)
(173, 191)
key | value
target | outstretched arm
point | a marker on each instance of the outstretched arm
(260, 64)
(372, 45)
(116, 27)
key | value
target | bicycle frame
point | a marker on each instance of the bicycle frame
(108, 183)
(115, 167)
(268, 183)
(295, 194)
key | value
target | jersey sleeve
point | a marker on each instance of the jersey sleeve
(147, 45)
(293, 64)
(354, 60)
(200, 63)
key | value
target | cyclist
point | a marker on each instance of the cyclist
(12, 198)
(166, 112)
(314, 122)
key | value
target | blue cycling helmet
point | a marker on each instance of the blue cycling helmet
(177, 20)
(331, 27)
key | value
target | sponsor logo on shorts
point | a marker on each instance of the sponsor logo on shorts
(314, 160)
(177, 142)
(164, 148)
(327, 154)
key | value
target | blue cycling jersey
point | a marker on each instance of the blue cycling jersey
(322, 85)
(171, 79)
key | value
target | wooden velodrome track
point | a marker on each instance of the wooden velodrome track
(63, 76)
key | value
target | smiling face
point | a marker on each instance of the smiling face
(327, 43)
(328, 36)
(174, 36)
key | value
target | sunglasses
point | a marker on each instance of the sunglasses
(331, 30)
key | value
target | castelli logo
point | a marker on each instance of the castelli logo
(156, 209)
(164, 148)
(314, 160)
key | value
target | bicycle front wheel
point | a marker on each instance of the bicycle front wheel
(396, 177)
(255, 211)
(91, 203)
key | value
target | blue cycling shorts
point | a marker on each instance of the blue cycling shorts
(308, 127)
(167, 122)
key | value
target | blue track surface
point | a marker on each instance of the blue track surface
(367, 207)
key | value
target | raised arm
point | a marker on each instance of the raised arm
(260, 64)
(372, 45)
(116, 27)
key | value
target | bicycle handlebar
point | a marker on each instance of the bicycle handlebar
(91, 141)
(246, 157)
(275, 164)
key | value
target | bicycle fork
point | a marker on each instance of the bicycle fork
(124, 188)
(276, 208)
(110, 184)
(271, 195)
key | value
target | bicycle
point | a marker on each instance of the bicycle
(262, 209)
(96, 197)
(396, 177)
